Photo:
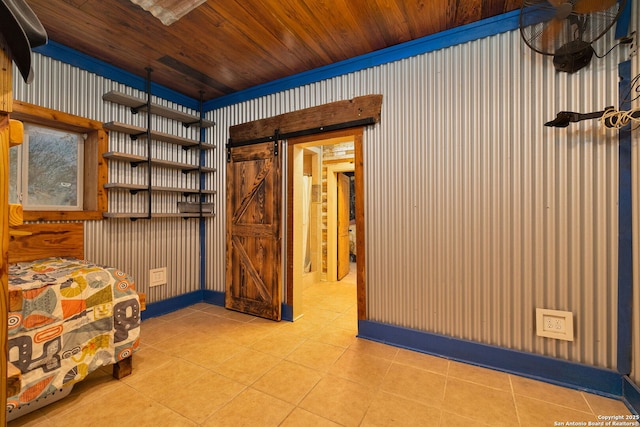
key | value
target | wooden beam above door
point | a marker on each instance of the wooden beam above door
(356, 110)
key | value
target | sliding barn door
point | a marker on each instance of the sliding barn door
(253, 230)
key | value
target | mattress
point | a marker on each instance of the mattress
(75, 317)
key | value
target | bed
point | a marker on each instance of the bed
(67, 317)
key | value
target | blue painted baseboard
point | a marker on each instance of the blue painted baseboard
(170, 305)
(213, 297)
(561, 372)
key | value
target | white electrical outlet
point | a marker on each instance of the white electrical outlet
(554, 324)
(157, 276)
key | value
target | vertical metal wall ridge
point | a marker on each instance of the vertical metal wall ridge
(476, 213)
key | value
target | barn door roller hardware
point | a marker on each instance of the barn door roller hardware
(277, 136)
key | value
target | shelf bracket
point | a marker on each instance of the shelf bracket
(188, 124)
(135, 191)
(136, 110)
(135, 136)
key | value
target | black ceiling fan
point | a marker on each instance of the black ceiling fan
(566, 29)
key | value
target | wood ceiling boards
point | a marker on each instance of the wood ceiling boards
(226, 46)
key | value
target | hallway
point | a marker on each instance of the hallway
(207, 366)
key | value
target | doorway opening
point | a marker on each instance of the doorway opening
(247, 186)
(324, 212)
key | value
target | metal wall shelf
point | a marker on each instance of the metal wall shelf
(135, 132)
(144, 215)
(138, 105)
(137, 188)
(136, 160)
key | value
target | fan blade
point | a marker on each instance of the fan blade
(590, 6)
(550, 33)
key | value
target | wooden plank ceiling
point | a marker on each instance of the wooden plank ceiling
(224, 46)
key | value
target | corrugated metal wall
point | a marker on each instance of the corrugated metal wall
(133, 246)
(635, 70)
(476, 213)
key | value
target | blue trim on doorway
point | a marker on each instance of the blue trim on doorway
(556, 371)
(631, 393)
(78, 59)
(203, 198)
(625, 230)
(286, 312)
(466, 33)
(202, 229)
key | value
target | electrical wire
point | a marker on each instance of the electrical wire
(634, 90)
(615, 119)
(623, 41)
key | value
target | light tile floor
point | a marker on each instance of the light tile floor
(207, 366)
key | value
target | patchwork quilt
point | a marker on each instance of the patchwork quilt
(76, 317)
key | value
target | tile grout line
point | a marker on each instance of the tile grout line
(513, 398)
(444, 392)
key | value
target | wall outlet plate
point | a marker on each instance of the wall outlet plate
(157, 276)
(554, 324)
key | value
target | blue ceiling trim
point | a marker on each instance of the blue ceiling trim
(477, 30)
(78, 59)
(624, 20)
